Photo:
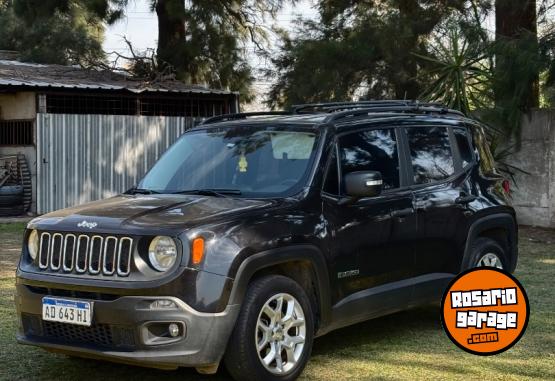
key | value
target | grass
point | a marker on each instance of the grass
(15, 228)
(405, 346)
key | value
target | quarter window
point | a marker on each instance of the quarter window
(431, 155)
(467, 156)
(372, 150)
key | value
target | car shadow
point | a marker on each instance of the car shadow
(345, 342)
(387, 328)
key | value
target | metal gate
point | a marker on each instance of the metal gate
(83, 158)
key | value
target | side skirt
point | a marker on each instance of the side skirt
(387, 299)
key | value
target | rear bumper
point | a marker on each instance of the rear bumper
(122, 331)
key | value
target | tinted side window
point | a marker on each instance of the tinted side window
(331, 184)
(374, 150)
(465, 150)
(431, 155)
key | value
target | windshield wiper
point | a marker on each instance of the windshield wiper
(136, 190)
(211, 192)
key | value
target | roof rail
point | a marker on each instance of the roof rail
(426, 109)
(241, 115)
(336, 106)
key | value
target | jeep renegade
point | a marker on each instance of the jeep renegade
(256, 233)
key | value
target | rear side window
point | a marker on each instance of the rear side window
(463, 144)
(373, 150)
(431, 155)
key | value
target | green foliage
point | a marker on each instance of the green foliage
(460, 77)
(200, 41)
(324, 68)
(357, 49)
(205, 41)
(8, 23)
(547, 52)
(518, 62)
(53, 31)
(208, 50)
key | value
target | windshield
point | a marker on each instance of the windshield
(256, 161)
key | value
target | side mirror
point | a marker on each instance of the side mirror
(363, 184)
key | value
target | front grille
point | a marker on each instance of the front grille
(80, 254)
(97, 335)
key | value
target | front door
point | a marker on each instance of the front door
(371, 238)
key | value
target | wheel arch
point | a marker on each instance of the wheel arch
(294, 262)
(500, 227)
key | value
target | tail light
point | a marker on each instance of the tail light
(506, 184)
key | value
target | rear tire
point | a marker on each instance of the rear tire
(267, 338)
(487, 253)
(11, 196)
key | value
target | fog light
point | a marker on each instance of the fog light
(173, 329)
(163, 304)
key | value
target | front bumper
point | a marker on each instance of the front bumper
(121, 331)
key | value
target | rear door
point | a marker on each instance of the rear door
(440, 160)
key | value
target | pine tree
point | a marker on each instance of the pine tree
(51, 31)
(517, 53)
(357, 49)
(205, 41)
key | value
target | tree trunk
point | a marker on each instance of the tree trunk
(404, 82)
(516, 34)
(171, 32)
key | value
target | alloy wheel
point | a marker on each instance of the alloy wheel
(280, 334)
(490, 260)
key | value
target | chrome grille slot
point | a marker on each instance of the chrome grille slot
(124, 256)
(109, 258)
(69, 252)
(56, 251)
(44, 250)
(84, 254)
(95, 254)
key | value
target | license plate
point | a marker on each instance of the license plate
(67, 311)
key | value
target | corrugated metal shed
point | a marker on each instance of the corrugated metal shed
(106, 155)
(21, 74)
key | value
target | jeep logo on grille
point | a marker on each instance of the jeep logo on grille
(85, 224)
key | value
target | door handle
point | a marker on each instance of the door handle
(402, 213)
(464, 199)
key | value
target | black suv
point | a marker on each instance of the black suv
(256, 233)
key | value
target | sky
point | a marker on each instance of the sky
(140, 27)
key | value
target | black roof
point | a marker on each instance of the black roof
(342, 114)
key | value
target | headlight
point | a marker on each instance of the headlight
(162, 253)
(33, 244)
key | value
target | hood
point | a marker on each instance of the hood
(153, 212)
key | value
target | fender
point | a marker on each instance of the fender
(499, 220)
(272, 257)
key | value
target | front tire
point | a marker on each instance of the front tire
(272, 338)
